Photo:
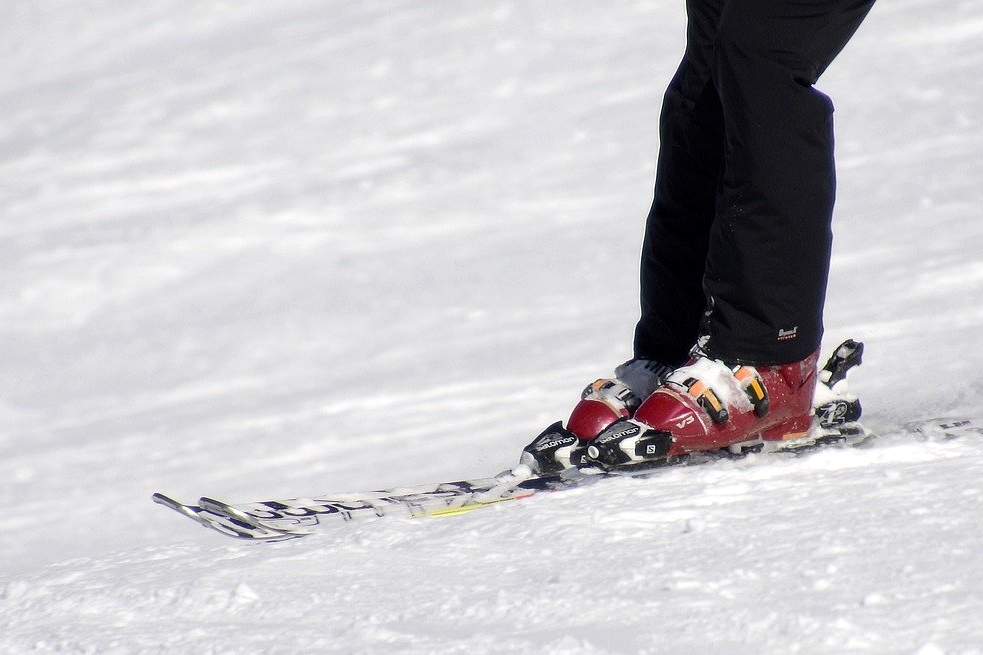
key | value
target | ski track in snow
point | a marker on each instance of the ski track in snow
(256, 250)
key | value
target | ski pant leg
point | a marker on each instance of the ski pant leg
(677, 230)
(768, 255)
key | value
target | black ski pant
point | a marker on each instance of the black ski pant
(737, 244)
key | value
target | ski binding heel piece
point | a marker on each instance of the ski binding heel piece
(833, 403)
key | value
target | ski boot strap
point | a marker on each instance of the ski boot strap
(707, 399)
(750, 380)
(615, 394)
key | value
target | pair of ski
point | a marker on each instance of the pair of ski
(277, 520)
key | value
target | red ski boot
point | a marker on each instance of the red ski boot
(705, 405)
(607, 400)
(708, 405)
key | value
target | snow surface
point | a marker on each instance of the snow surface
(262, 249)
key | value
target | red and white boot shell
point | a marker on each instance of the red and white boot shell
(604, 402)
(608, 400)
(707, 405)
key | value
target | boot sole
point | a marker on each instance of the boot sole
(791, 433)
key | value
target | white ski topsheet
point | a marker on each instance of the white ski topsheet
(263, 249)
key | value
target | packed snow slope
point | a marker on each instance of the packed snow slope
(262, 249)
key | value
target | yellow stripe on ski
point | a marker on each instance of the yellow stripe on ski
(465, 509)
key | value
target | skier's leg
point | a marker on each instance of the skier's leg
(769, 249)
(689, 168)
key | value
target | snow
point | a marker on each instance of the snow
(256, 249)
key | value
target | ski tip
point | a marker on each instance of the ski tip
(205, 500)
(222, 522)
(236, 514)
(167, 501)
(187, 510)
(224, 508)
